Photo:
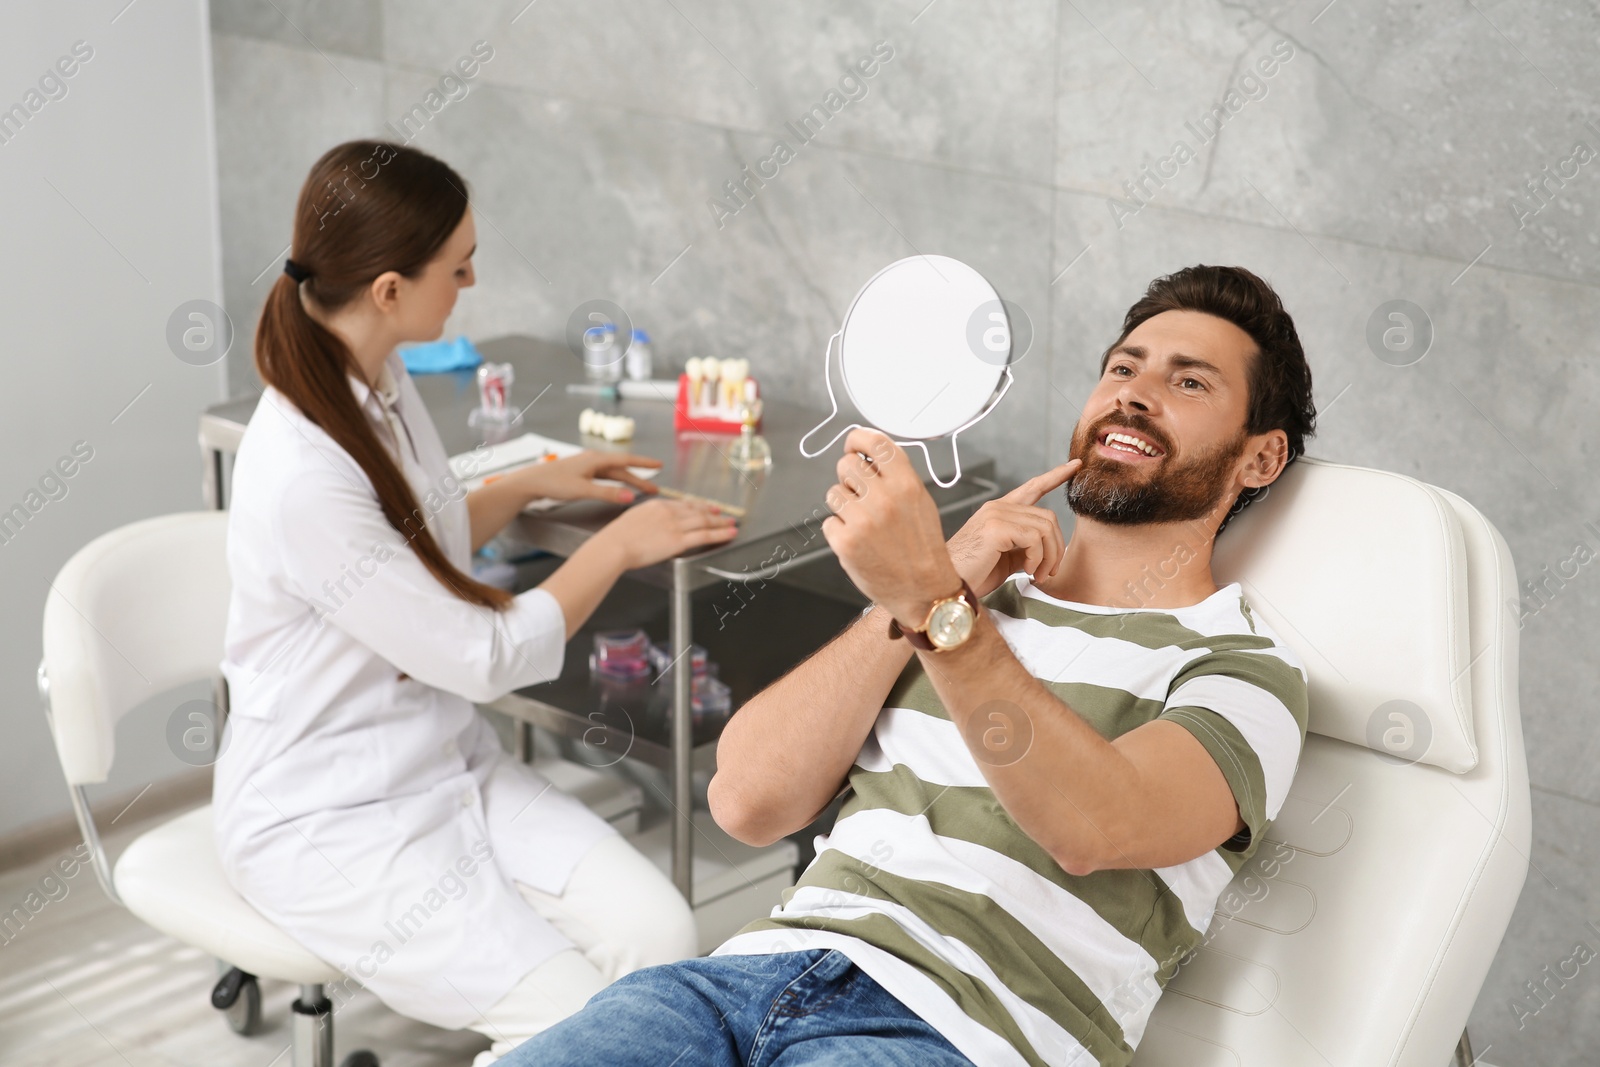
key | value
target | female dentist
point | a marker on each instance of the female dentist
(361, 802)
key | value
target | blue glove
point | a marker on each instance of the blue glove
(437, 356)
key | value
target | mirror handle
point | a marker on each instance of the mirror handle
(827, 379)
(955, 450)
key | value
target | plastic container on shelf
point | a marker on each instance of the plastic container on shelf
(621, 655)
(710, 700)
(661, 658)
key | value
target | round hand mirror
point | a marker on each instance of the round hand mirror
(923, 354)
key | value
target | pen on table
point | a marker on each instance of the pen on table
(546, 458)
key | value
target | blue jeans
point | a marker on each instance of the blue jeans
(784, 1009)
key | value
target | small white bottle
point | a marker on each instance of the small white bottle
(638, 357)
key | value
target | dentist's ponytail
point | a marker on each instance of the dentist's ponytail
(367, 207)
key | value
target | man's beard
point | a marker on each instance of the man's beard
(1122, 494)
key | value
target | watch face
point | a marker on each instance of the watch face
(951, 624)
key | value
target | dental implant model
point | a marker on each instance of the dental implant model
(714, 395)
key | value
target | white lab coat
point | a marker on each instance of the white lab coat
(361, 802)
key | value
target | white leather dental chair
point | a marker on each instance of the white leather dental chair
(1363, 937)
(136, 612)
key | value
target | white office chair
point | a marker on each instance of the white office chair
(137, 612)
(1368, 942)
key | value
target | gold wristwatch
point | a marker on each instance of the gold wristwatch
(949, 623)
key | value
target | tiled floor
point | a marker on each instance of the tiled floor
(85, 984)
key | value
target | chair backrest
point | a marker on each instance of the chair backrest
(1363, 929)
(134, 613)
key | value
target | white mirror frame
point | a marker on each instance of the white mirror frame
(1003, 386)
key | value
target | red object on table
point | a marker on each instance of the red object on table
(681, 419)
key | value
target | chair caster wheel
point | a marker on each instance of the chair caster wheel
(238, 996)
(359, 1058)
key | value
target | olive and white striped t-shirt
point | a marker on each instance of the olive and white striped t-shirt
(930, 887)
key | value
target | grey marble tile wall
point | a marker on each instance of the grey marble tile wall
(1352, 152)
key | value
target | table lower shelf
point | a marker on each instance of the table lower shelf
(754, 633)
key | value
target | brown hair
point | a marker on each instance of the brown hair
(1279, 381)
(367, 207)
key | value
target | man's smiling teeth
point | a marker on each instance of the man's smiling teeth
(1130, 444)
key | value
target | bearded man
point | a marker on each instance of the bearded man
(1051, 768)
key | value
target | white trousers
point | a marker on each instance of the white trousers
(621, 912)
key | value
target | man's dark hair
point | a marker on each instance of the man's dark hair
(1279, 381)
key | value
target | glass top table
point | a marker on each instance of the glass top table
(758, 604)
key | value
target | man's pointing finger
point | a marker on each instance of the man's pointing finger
(1033, 490)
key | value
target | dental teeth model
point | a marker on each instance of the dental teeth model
(717, 393)
(599, 424)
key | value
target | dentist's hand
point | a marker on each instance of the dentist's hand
(1012, 533)
(644, 534)
(661, 529)
(573, 477)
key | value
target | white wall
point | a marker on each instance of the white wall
(108, 222)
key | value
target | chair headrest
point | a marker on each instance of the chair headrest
(133, 614)
(1363, 573)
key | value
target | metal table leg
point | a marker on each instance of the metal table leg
(682, 735)
(211, 483)
(522, 741)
